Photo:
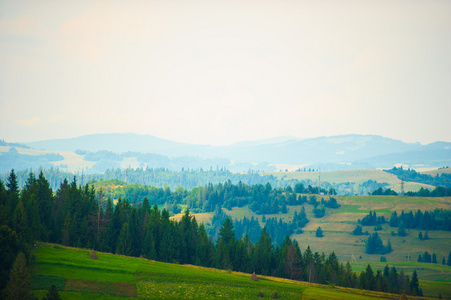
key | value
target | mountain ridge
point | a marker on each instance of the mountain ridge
(283, 150)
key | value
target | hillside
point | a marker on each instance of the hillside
(438, 172)
(120, 277)
(338, 224)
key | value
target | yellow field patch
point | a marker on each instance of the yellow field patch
(200, 217)
(437, 172)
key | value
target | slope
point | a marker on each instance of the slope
(113, 276)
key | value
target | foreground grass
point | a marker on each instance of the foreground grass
(114, 276)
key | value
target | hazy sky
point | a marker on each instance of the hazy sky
(217, 72)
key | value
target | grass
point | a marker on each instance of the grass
(79, 277)
(436, 288)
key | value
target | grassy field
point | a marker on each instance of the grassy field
(73, 161)
(338, 224)
(119, 277)
(353, 176)
(438, 172)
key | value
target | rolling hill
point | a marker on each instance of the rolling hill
(335, 152)
(119, 277)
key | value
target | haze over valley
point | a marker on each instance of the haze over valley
(225, 149)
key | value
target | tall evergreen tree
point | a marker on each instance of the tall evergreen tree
(20, 223)
(369, 278)
(148, 245)
(52, 294)
(414, 285)
(9, 247)
(12, 193)
(204, 249)
(18, 286)
(125, 241)
(45, 204)
(319, 232)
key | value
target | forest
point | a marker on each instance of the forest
(79, 216)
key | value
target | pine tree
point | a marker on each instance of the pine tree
(52, 294)
(20, 223)
(66, 231)
(124, 243)
(204, 250)
(18, 286)
(12, 193)
(443, 260)
(148, 245)
(9, 247)
(414, 283)
(319, 232)
(45, 201)
(369, 278)
(448, 262)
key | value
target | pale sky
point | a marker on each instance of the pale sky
(218, 72)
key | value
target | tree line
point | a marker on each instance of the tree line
(80, 216)
(411, 175)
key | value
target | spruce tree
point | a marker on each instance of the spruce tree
(52, 294)
(9, 247)
(12, 193)
(448, 263)
(319, 232)
(20, 223)
(369, 278)
(18, 286)
(414, 283)
(124, 243)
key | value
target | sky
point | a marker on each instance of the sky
(218, 72)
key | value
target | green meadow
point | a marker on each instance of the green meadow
(118, 277)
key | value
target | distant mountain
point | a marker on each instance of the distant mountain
(437, 154)
(275, 140)
(335, 149)
(346, 150)
(115, 142)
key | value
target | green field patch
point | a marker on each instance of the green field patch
(101, 287)
(315, 293)
(83, 272)
(436, 288)
(44, 282)
(357, 209)
(81, 295)
(207, 284)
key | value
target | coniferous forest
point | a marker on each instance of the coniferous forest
(81, 216)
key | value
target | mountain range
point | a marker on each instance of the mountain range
(335, 152)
